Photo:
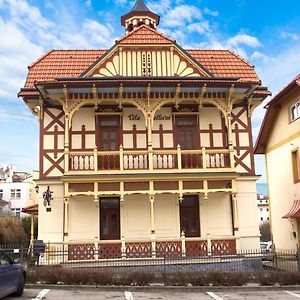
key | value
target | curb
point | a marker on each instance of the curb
(163, 288)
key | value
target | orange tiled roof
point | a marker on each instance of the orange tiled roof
(71, 63)
(225, 63)
(145, 35)
(61, 63)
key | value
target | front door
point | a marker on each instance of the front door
(109, 133)
(187, 135)
(109, 218)
(189, 216)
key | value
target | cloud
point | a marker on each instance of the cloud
(209, 12)
(289, 35)
(88, 3)
(9, 115)
(180, 15)
(260, 56)
(26, 34)
(243, 39)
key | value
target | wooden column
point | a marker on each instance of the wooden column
(230, 141)
(66, 144)
(66, 217)
(235, 215)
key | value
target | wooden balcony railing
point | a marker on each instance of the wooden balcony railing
(148, 159)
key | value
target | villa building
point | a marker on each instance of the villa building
(146, 148)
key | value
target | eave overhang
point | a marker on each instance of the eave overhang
(142, 84)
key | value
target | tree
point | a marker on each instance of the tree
(12, 231)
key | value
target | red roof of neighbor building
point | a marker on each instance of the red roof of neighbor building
(145, 35)
(33, 209)
(271, 114)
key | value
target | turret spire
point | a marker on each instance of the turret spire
(139, 15)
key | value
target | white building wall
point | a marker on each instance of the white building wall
(17, 204)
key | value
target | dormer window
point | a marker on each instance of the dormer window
(295, 111)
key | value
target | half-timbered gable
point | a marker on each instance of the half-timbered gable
(52, 131)
(147, 144)
(145, 52)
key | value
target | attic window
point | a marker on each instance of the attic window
(295, 111)
(146, 64)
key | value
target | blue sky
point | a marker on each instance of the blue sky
(266, 33)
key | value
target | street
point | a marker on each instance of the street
(170, 294)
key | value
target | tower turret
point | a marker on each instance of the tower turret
(139, 15)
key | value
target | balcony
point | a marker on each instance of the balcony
(157, 161)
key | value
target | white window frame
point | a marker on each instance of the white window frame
(16, 212)
(295, 111)
(15, 194)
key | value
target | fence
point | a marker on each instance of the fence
(246, 260)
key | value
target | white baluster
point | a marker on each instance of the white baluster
(141, 162)
(125, 162)
(155, 161)
(136, 162)
(170, 161)
(92, 162)
(81, 162)
(76, 162)
(86, 162)
(218, 160)
(130, 162)
(159, 162)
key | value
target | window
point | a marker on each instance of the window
(16, 212)
(189, 216)
(261, 218)
(15, 193)
(1, 194)
(146, 64)
(295, 111)
(296, 165)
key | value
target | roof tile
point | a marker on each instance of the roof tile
(71, 63)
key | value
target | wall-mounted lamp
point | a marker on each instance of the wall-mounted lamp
(37, 189)
(47, 196)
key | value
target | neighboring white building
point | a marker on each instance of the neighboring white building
(263, 208)
(279, 140)
(16, 190)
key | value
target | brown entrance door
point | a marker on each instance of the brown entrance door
(187, 133)
(189, 216)
(109, 219)
(109, 133)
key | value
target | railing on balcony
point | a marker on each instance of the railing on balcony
(149, 159)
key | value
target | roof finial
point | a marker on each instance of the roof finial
(140, 14)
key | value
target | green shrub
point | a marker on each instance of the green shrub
(104, 277)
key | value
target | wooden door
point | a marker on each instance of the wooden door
(109, 134)
(187, 133)
(189, 216)
(109, 219)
